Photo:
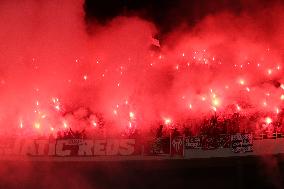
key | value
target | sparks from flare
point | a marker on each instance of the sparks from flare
(268, 120)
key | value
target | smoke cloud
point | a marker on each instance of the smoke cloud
(56, 72)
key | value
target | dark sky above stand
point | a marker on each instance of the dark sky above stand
(168, 14)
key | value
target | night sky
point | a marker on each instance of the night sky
(168, 14)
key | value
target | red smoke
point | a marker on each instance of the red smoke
(55, 74)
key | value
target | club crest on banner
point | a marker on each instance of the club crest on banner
(177, 147)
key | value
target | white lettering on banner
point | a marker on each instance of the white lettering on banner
(59, 148)
(51, 149)
(126, 147)
(99, 147)
(242, 143)
(41, 146)
(68, 147)
(85, 149)
(192, 142)
(112, 147)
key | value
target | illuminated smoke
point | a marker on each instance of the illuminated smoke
(56, 76)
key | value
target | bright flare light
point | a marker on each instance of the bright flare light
(268, 120)
(85, 77)
(21, 124)
(94, 123)
(242, 82)
(238, 107)
(57, 107)
(65, 124)
(131, 115)
(37, 125)
(168, 121)
(215, 102)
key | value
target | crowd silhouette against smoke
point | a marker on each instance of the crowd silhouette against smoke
(61, 68)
